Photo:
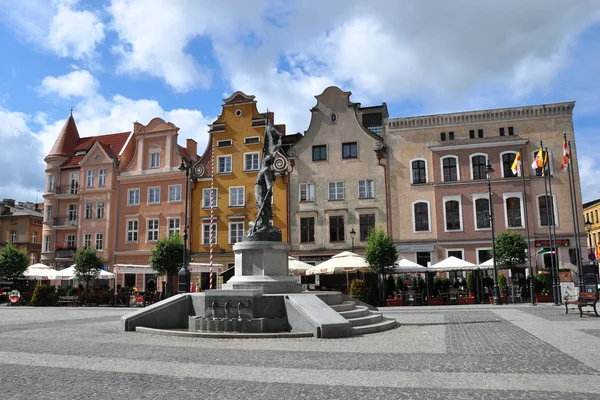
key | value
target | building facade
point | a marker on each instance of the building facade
(21, 225)
(438, 182)
(231, 161)
(338, 178)
(592, 225)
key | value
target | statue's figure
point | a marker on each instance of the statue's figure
(263, 191)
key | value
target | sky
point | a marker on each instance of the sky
(119, 61)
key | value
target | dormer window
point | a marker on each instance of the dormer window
(81, 153)
(155, 160)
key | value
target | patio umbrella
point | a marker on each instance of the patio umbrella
(296, 267)
(40, 271)
(69, 273)
(452, 264)
(344, 262)
(403, 265)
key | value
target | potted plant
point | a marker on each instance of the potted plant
(394, 301)
(470, 284)
(542, 284)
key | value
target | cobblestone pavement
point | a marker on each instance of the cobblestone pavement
(455, 352)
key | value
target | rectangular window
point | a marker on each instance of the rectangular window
(483, 255)
(450, 135)
(513, 212)
(236, 196)
(319, 153)
(307, 192)
(236, 232)
(174, 226)
(471, 134)
(482, 213)
(99, 209)
(450, 169)
(34, 237)
(456, 253)
(98, 241)
(452, 215)
(206, 234)
(478, 164)
(307, 230)
(132, 231)
(251, 162)
(48, 213)
(419, 173)
(336, 228)
(421, 211)
(546, 209)
(152, 230)
(251, 140)
(46, 243)
(507, 161)
(88, 211)
(442, 136)
(71, 240)
(367, 224)
(501, 131)
(154, 195)
(336, 190)
(479, 133)
(155, 160)
(366, 189)
(511, 131)
(349, 150)
(90, 179)
(72, 213)
(224, 143)
(87, 240)
(133, 197)
(102, 177)
(224, 165)
(174, 193)
(50, 183)
(206, 198)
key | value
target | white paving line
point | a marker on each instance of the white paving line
(538, 382)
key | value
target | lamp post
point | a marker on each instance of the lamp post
(488, 171)
(184, 273)
(588, 229)
(352, 234)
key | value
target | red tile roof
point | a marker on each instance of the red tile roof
(67, 139)
(111, 143)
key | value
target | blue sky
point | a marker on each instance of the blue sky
(118, 61)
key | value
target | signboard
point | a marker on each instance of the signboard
(105, 268)
(546, 243)
(416, 248)
(314, 258)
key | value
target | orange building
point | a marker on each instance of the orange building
(21, 225)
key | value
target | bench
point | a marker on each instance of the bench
(584, 300)
(68, 300)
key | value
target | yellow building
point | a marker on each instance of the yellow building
(592, 224)
(236, 139)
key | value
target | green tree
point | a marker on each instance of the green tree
(381, 253)
(167, 256)
(511, 250)
(87, 265)
(13, 262)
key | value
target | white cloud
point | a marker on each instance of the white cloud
(79, 83)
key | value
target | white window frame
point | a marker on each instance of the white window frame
(487, 160)
(171, 187)
(34, 237)
(13, 236)
(231, 231)
(99, 208)
(446, 199)
(99, 240)
(251, 137)
(206, 198)
(102, 177)
(366, 183)
(474, 198)
(89, 180)
(506, 196)
(220, 143)
(477, 249)
(132, 231)
(502, 165)
(88, 210)
(231, 197)
(426, 170)
(48, 213)
(72, 210)
(308, 198)
(50, 182)
(252, 154)
(173, 230)
(149, 197)
(539, 214)
(46, 243)
(154, 153)
(129, 192)
(205, 238)
(414, 219)
(457, 167)
(462, 250)
(70, 240)
(336, 190)
(225, 171)
(550, 164)
(155, 229)
(87, 240)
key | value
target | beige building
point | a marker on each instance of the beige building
(439, 202)
(337, 181)
(21, 225)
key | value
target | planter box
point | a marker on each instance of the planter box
(466, 300)
(394, 302)
(565, 276)
(502, 298)
(544, 298)
(435, 301)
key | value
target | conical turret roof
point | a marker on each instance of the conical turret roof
(67, 140)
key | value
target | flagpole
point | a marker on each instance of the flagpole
(553, 226)
(548, 221)
(575, 216)
(531, 290)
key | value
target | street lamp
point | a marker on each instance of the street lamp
(588, 229)
(488, 171)
(352, 234)
(184, 273)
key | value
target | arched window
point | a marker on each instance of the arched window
(482, 213)
(508, 159)
(421, 216)
(478, 164)
(450, 169)
(419, 171)
(513, 212)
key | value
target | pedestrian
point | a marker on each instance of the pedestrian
(192, 287)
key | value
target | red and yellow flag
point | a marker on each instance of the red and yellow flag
(566, 156)
(516, 166)
(538, 161)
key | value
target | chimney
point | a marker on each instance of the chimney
(191, 146)
(9, 202)
(281, 128)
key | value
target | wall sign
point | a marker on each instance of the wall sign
(546, 243)
(416, 248)
(314, 258)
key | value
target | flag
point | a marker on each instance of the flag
(597, 252)
(566, 156)
(545, 163)
(537, 162)
(516, 167)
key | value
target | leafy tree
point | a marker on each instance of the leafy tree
(359, 290)
(166, 258)
(13, 262)
(381, 254)
(87, 265)
(511, 249)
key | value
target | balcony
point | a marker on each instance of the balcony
(65, 221)
(68, 190)
(65, 254)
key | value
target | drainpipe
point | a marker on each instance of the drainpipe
(117, 219)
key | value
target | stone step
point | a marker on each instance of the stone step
(359, 311)
(384, 325)
(369, 319)
(344, 306)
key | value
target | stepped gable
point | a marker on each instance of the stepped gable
(112, 143)
(67, 140)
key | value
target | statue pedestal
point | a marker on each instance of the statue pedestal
(262, 265)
